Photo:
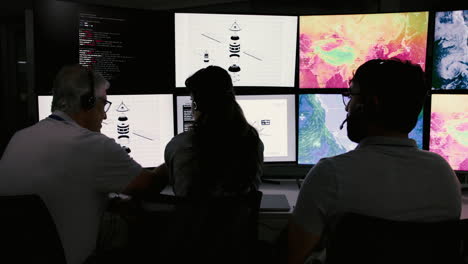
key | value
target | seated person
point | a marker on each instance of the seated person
(222, 154)
(386, 176)
(72, 166)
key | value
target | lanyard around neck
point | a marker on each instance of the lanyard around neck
(56, 117)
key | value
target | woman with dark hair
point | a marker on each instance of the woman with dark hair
(222, 154)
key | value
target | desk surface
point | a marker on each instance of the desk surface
(291, 190)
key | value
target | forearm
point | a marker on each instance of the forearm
(148, 182)
(300, 243)
(161, 178)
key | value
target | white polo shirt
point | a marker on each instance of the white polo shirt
(385, 177)
(72, 169)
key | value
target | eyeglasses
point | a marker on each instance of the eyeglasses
(107, 104)
(347, 97)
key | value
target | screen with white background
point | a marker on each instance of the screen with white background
(256, 50)
(272, 115)
(142, 123)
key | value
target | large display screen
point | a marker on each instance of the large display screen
(320, 117)
(450, 70)
(256, 50)
(449, 129)
(320, 136)
(139, 123)
(332, 47)
(418, 131)
(128, 47)
(272, 115)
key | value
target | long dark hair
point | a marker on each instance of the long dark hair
(226, 145)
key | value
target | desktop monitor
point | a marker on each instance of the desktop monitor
(320, 117)
(257, 50)
(271, 115)
(332, 47)
(131, 48)
(320, 136)
(418, 133)
(449, 69)
(139, 123)
(449, 129)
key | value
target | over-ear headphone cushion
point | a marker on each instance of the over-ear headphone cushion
(87, 101)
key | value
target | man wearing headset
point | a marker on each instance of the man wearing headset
(386, 176)
(72, 166)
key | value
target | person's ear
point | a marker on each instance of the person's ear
(194, 106)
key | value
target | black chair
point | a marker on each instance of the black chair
(464, 239)
(28, 233)
(214, 230)
(365, 239)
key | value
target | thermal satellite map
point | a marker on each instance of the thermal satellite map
(449, 129)
(332, 47)
(320, 116)
(417, 132)
(450, 70)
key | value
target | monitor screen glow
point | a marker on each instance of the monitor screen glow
(331, 47)
(271, 115)
(256, 50)
(320, 136)
(138, 122)
(449, 129)
(450, 50)
(320, 116)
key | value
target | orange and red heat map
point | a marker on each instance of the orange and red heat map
(332, 47)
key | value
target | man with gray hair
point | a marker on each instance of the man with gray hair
(72, 166)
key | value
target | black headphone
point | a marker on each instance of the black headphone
(88, 100)
(194, 105)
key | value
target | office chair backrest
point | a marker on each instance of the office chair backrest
(365, 239)
(464, 239)
(28, 232)
(212, 230)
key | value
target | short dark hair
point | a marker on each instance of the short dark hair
(400, 87)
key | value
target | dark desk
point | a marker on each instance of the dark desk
(291, 190)
(286, 187)
(271, 223)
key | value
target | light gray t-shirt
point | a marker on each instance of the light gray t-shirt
(181, 159)
(385, 177)
(72, 169)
